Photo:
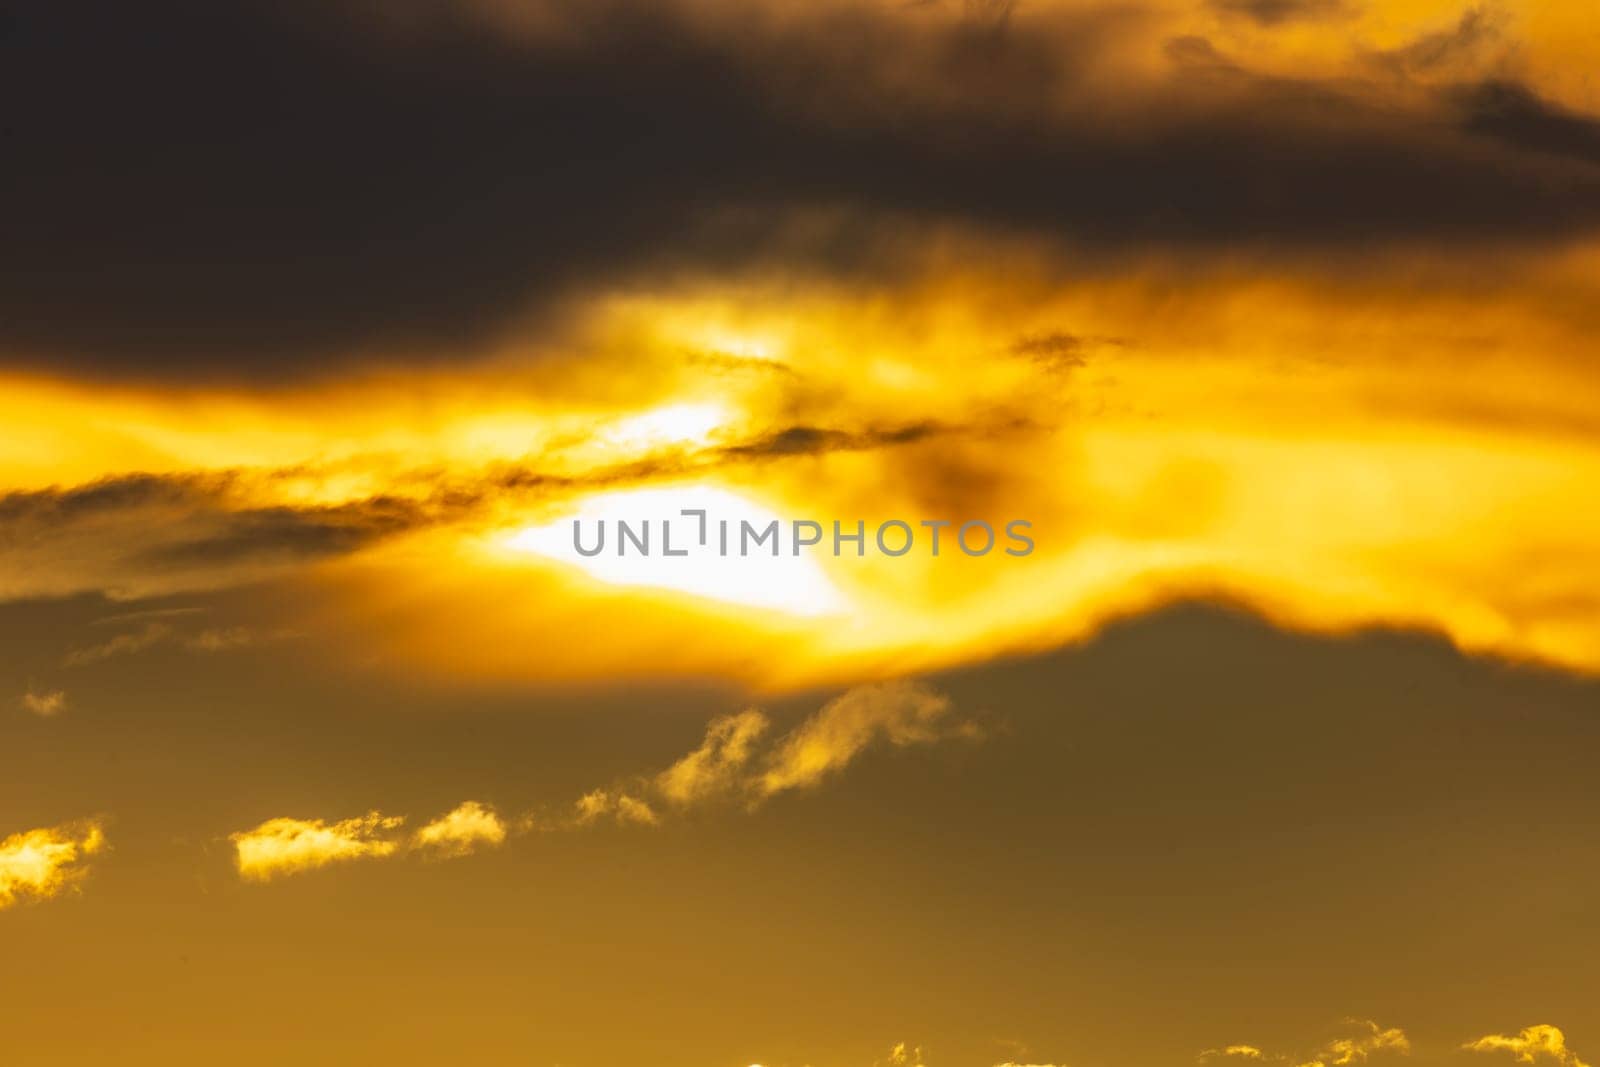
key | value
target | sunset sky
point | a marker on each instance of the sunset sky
(1275, 323)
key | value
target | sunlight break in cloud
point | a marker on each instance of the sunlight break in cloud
(462, 831)
(40, 864)
(44, 703)
(286, 845)
(1530, 1046)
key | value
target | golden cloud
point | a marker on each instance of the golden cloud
(40, 864)
(461, 831)
(717, 766)
(44, 703)
(1530, 1046)
(901, 712)
(287, 845)
(624, 808)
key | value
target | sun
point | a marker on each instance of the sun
(793, 584)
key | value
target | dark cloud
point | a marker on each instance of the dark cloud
(1276, 12)
(813, 440)
(1516, 115)
(143, 533)
(1059, 349)
(252, 188)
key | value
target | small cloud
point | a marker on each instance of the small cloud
(287, 846)
(625, 809)
(903, 1055)
(1532, 1045)
(218, 640)
(1277, 12)
(1347, 1050)
(121, 645)
(44, 703)
(717, 765)
(901, 712)
(40, 864)
(1340, 1052)
(462, 831)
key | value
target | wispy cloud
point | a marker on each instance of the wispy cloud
(736, 763)
(44, 702)
(901, 713)
(287, 845)
(1369, 1039)
(40, 864)
(601, 804)
(718, 766)
(1534, 1044)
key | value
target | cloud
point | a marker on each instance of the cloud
(900, 712)
(287, 845)
(1533, 1044)
(40, 864)
(1347, 1050)
(902, 1055)
(1276, 12)
(1340, 1052)
(736, 762)
(44, 703)
(462, 831)
(211, 639)
(717, 767)
(120, 645)
(600, 804)
(265, 254)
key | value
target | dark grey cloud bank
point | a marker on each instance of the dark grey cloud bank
(251, 189)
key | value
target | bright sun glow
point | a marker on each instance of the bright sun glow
(671, 424)
(788, 583)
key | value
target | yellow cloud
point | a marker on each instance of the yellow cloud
(626, 809)
(902, 712)
(46, 703)
(459, 832)
(717, 765)
(286, 846)
(1348, 1050)
(40, 864)
(903, 1055)
(1248, 1052)
(1530, 1045)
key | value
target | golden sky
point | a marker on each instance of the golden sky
(1267, 326)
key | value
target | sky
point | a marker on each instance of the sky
(1211, 386)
